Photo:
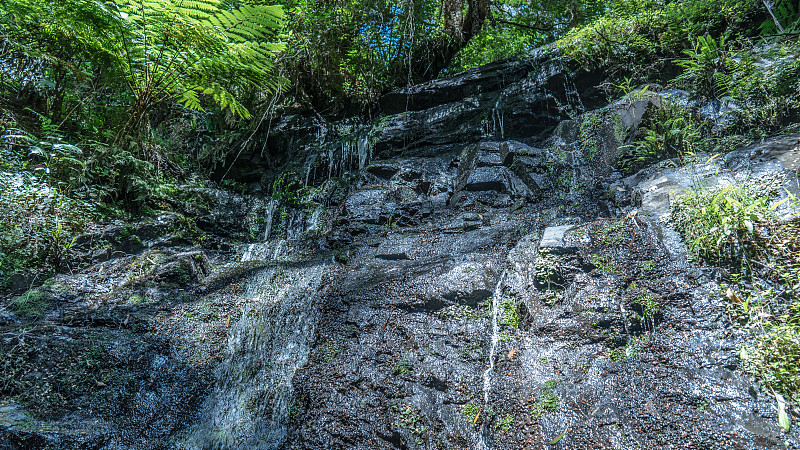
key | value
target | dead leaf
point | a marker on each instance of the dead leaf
(474, 421)
(733, 297)
(511, 353)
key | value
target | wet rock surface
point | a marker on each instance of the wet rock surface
(464, 290)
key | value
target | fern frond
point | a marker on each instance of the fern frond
(249, 22)
(190, 99)
(197, 9)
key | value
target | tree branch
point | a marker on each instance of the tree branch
(535, 28)
(522, 25)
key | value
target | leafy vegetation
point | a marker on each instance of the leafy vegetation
(90, 96)
(639, 37)
(736, 227)
(471, 411)
(547, 401)
(671, 132)
(351, 51)
(635, 346)
(33, 303)
(145, 54)
(775, 358)
(505, 424)
(509, 313)
(720, 224)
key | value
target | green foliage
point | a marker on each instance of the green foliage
(547, 401)
(520, 26)
(471, 411)
(137, 56)
(410, 418)
(706, 69)
(344, 50)
(765, 84)
(505, 424)
(495, 44)
(767, 303)
(603, 263)
(634, 346)
(589, 134)
(33, 303)
(467, 350)
(330, 351)
(402, 367)
(611, 233)
(549, 271)
(719, 224)
(775, 359)
(37, 222)
(736, 226)
(784, 18)
(636, 35)
(291, 190)
(177, 50)
(671, 132)
(509, 313)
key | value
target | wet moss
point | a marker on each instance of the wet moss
(32, 304)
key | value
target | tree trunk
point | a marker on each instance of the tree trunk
(435, 54)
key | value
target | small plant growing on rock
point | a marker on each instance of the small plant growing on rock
(635, 346)
(410, 418)
(33, 303)
(330, 352)
(549, 271)
(510, 314)
(719, 225)
(466, 350)
(548, 401)
(504, 424)
(672, 132)
(289, 189)
(612, 233)
(471, 411)
(402, 367)
(603, 263)
(776, 358)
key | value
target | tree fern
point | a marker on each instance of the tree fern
(180, 50)
(160, 51)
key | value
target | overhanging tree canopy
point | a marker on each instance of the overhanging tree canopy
(160, 51)
(359, 48)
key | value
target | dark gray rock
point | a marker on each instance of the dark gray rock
(371, 206)
(383, 170)
(183, 268)
(396, 248)
(525, 100)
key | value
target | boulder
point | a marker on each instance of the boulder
(395, 249)
(371, 206)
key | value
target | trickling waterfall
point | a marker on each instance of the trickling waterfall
(249, 407)
(311, 160)
(495, 338)
(337, 149)
(364, 150)
(487, 375)
(498, 115)
(295, 223)
(270, 213)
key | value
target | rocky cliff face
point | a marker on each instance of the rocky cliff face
(487, 280)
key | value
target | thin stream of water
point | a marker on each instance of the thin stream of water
(495, 338)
